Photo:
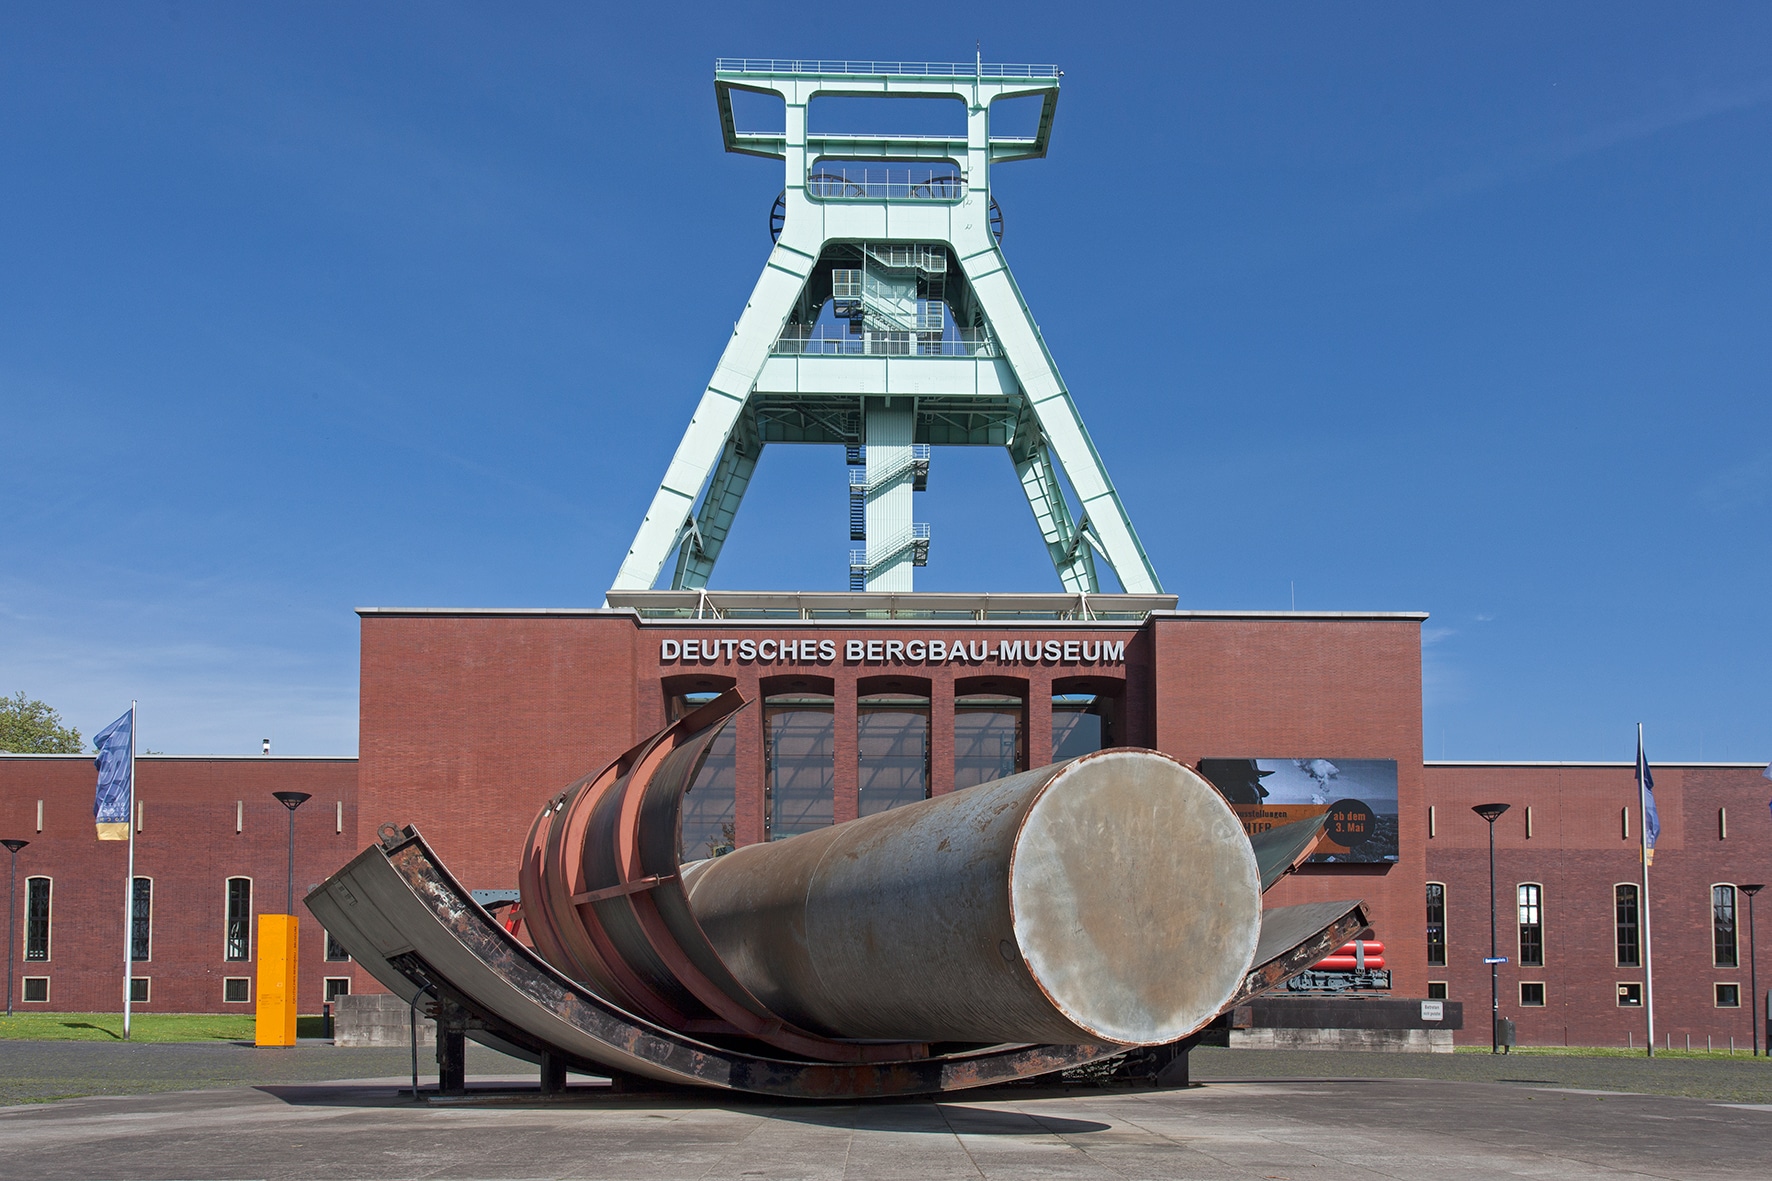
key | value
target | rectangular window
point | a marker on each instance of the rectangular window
(37, 891)
(799, 764)
(1728, 996)
(1531, 924)
(1626, 925)
(892, 750)
(1436, 990)
(236, 990)
(37, 990)
(138, 990)
(335, 951)
(1724, 953)
(1532, 994)
(141, 921)
(987, 739)
(1436, 924)
(1630, 995)
(237, 936)
(337, 986)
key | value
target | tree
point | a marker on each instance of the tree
(31, 727)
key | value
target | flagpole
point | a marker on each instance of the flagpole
(129, 885)
(1643, 841)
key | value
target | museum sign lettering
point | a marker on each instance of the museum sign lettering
(918, 651)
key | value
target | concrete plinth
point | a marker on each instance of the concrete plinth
(377, 1019)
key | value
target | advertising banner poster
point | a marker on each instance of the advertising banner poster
(1359, 797)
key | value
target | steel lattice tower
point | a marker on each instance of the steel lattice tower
(886, 321)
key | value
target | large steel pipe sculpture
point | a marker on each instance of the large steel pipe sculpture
(1113, 898)
(1041, 922)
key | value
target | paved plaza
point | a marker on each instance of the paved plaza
(1528, 1121)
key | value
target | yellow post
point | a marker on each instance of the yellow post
(276, 980)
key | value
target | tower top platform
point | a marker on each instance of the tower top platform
(978, 84)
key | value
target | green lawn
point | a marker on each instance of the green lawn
(143, 1027)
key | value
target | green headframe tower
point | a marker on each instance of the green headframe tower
(886, 322)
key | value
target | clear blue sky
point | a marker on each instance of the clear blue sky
(1457, 309)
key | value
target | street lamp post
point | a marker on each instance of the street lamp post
(1753, 969)
(291, 800)
(1491, 813)
(13, 846)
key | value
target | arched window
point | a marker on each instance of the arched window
(710, 806)
(1627, 925)
(1725, 952)
(1531, 924)
(237, 925)
(799, 760)
(1436, 924)
(891, 744)
(141, 920)
(37, 899)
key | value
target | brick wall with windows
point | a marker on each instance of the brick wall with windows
(185, 851)
(1583, 858)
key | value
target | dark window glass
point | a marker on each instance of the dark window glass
(238, 934)
(1436, 924)
(237, 990)
(334, 949)
(1728, 996)
(987, 739)
(1531, 995)
(1630, 995)
(141, 920)
(1436, 990)
(710, 806)
(37, 918)
(1722, 919)
(337, 986)
(1624, 904)
(1531, 924)
(36, 988)
(799, 764)
(1081, 723)
(892, 751)
(138, 990)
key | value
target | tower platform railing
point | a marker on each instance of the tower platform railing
(972, 69)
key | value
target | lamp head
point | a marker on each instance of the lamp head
(1750, 891)
(15, 845)
(291, 799)
(1489, 812)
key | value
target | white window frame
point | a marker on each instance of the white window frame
(1618, 993)
(1716, 990)
(252, 901)
(1710, 909)
(49, 933)
(1538, 905)
(147, 996)
(1638, 887)
(326, 983)
(149, 958)
(28, 981)
(227, 980)
(1543, 996)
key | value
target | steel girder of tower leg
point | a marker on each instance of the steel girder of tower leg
(1015, 380)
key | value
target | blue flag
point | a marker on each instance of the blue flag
(1651, 817)
(116, 772)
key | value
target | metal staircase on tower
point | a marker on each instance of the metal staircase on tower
(886, 321)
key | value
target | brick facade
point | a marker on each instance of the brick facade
(1578, 851)
(187, 845)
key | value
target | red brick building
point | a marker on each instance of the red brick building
(471, 719)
